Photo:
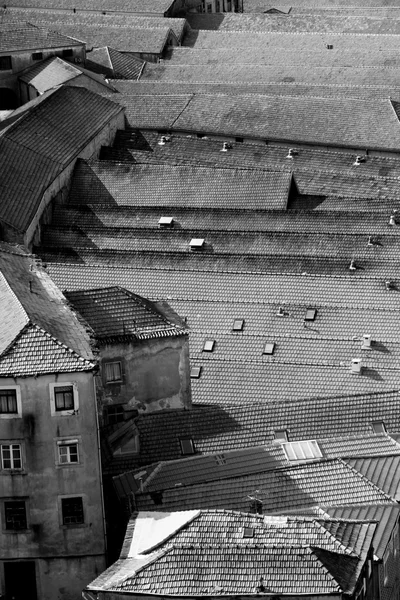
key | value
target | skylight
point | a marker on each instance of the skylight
(248, 532)
(187, 446)
(305, 450)
(196, 243)
(269, 348)
(166, 222)
(311, 313)
(220, 459)
(378, 427)
(238, 325)
(195, 372)
(208, 346)
(281, 434)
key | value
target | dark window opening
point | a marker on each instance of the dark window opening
(8, 402)
(15, 515)
(37, 56)
(239, 140)
(256, 506)
(115, 414)
(64, 397)
(5, 63)
(72, 511)
(67, 53)
(187, 446)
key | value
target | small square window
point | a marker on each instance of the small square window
(5, 63)
(269, 348)
(220, 459)
(64, 397)
(15, 515)
(37, 56)
(238, 325)
(11, 456)
(187, 446)
(378, 427)
(72, 511)
(195, 372)
(8, 401)
(208, 346)
(248, 532)
(311, 313)
(115, 413)
(67, 53)
(113, 371)
(281, 435)
(68, 452)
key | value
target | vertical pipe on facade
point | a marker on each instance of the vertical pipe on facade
(100, 468)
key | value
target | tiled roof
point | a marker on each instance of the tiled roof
(38, 331)
(327, 482)
(45, 139)
(229, 427)
(165, 185)
(290, 554)
(114, 64)
(117, 313)
(385, 515)
(236, 463)
(157, 7)
(384, 473)
(53, 17)
(25, 36)
(124, 39)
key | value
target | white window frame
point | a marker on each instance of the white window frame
(18, 414)
(12, 468)
(65, 444)
(68, 412)
(113, 362)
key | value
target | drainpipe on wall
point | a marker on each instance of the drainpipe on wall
(100, 469)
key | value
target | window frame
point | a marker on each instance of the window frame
(18, 414)
(61, 500)
(187, 440)
(113, 420)
(66, 443)
(68, 412)
(121, 371)
(9, 68)
(11, 469)
(6, 529)
(37, 56)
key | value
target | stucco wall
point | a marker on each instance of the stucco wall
(155, 374)
(43, 482)
(23, 60)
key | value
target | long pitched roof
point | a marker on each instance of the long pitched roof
(158, 7)
(47, 135)
(282, 551)
(26, 36)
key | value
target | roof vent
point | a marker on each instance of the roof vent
(166, 222)
(248, 532)
(359, 160)
(366, 341)
(371, 241)
(389, 285)
(226, 146)
(163, 140)
(292, 152)
(356, 366)
(280, 312)
(392, 220)
(353, 266)
(196, 243)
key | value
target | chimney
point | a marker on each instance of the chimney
(225, 147)
(359, 160)
(292, 152)
(392, 220)
(356, 366)
(366, 341)
(163, 140)
(370, 241)
(353, 266)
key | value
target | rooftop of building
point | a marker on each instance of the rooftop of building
(147, 7)
(25, 36)
(114, 64)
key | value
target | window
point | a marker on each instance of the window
(220, 459)
(195, 372)
(15, 515)
(269, 348)
(37, 56)
(378, 427)
(238, 325)
(64, 397)
(11, 456)
(239, 140)
(302, 450)
(187, 446)
(208, 346)
(67, 53)
(8, 401)
(64, 400)
(329, 46)
(114, 414)
(5, 63)
(311, 313)
(282, 435)
(72, 511)
(68, 452)
(248, 532)
(113, 371)
(209, 8)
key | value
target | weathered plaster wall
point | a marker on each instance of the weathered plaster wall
(43, 481)
(155, 374)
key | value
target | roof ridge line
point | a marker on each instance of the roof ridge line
(365, 478)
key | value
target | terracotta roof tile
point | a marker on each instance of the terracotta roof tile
(25, 36)
(158, 7)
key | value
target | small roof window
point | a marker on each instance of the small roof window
(166, 222)
(281, 434)
(269, 348)
(208, 345)
(248, 532)
(220, 459)
(305, 450)
(378, 427)
(187, 446)
(196, 243)
(195, 372)
(238, 325)
(310, 315)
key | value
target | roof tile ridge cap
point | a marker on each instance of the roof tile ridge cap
(143, 302)
(346, 549)
(365, 478)
(62, 345)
